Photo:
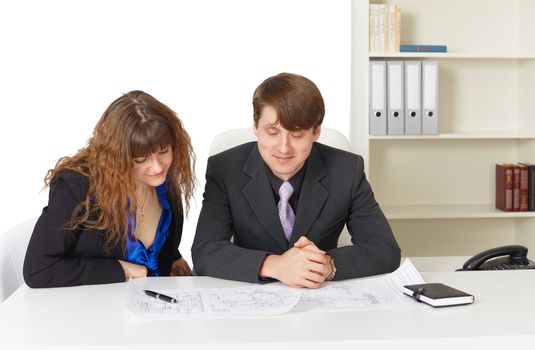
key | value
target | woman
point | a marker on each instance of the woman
(115, 208)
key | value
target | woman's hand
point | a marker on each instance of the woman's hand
(133, 270)
(180, 268)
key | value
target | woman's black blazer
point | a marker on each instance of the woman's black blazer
(59, 257)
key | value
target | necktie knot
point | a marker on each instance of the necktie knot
(285, 191)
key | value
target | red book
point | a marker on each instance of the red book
(524, 182)
(504, 187)
(531, 185)
(516, 187)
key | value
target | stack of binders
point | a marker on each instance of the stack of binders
(404, 97)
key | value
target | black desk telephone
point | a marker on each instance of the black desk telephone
(501, 258)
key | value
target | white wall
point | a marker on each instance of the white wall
(62, 62)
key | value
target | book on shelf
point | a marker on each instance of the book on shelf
(423, 48)
(530, 185)
(516, 188)
(504, 187)
(524, 182)
(384, 27)
(437, 294)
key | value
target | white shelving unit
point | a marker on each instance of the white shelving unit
(438, 190)
(452, 55)
(458, 136)
(407, 212)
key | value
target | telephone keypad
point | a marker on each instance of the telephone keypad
(507, 266)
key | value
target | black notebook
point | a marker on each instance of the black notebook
(437, 294)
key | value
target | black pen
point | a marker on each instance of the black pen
(159, 296)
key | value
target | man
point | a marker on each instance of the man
(249, 230)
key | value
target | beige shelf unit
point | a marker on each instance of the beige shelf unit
(438, 190)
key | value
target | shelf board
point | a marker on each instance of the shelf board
(453, 55)
(449, 212)
(458, 136)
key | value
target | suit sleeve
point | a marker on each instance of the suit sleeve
(49, 261)
(213, 253)
(374, 250)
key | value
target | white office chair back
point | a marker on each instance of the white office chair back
(235, 137)
(13, 244)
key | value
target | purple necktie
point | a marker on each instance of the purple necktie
(286, 213)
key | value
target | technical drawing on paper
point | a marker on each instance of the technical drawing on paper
(187, 303)
(384, 291)
(365, 293)
(250, 300)
(214, 302)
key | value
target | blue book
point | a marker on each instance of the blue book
(423, 48)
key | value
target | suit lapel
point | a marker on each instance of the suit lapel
(260, 197)
(312, 198)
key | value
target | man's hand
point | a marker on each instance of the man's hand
(180, 268)
(133, 270)
(304, 265)
(305, 243)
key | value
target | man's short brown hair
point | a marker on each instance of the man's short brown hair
(296, 99)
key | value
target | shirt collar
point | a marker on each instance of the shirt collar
(296, 181)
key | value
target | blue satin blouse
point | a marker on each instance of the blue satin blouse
(136, 252)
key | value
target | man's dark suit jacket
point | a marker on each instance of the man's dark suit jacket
(239, 223)
(59, 257)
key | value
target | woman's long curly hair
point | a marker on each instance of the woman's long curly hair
(135, 125)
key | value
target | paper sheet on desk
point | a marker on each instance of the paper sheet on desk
(381, 292)
(254, 300)
(385, 291)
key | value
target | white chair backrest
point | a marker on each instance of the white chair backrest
(13, 244)
(235, 137)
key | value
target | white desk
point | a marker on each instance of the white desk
(503, 316)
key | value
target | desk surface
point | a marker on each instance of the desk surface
(97, 317)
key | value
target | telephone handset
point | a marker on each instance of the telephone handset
(501, 258)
